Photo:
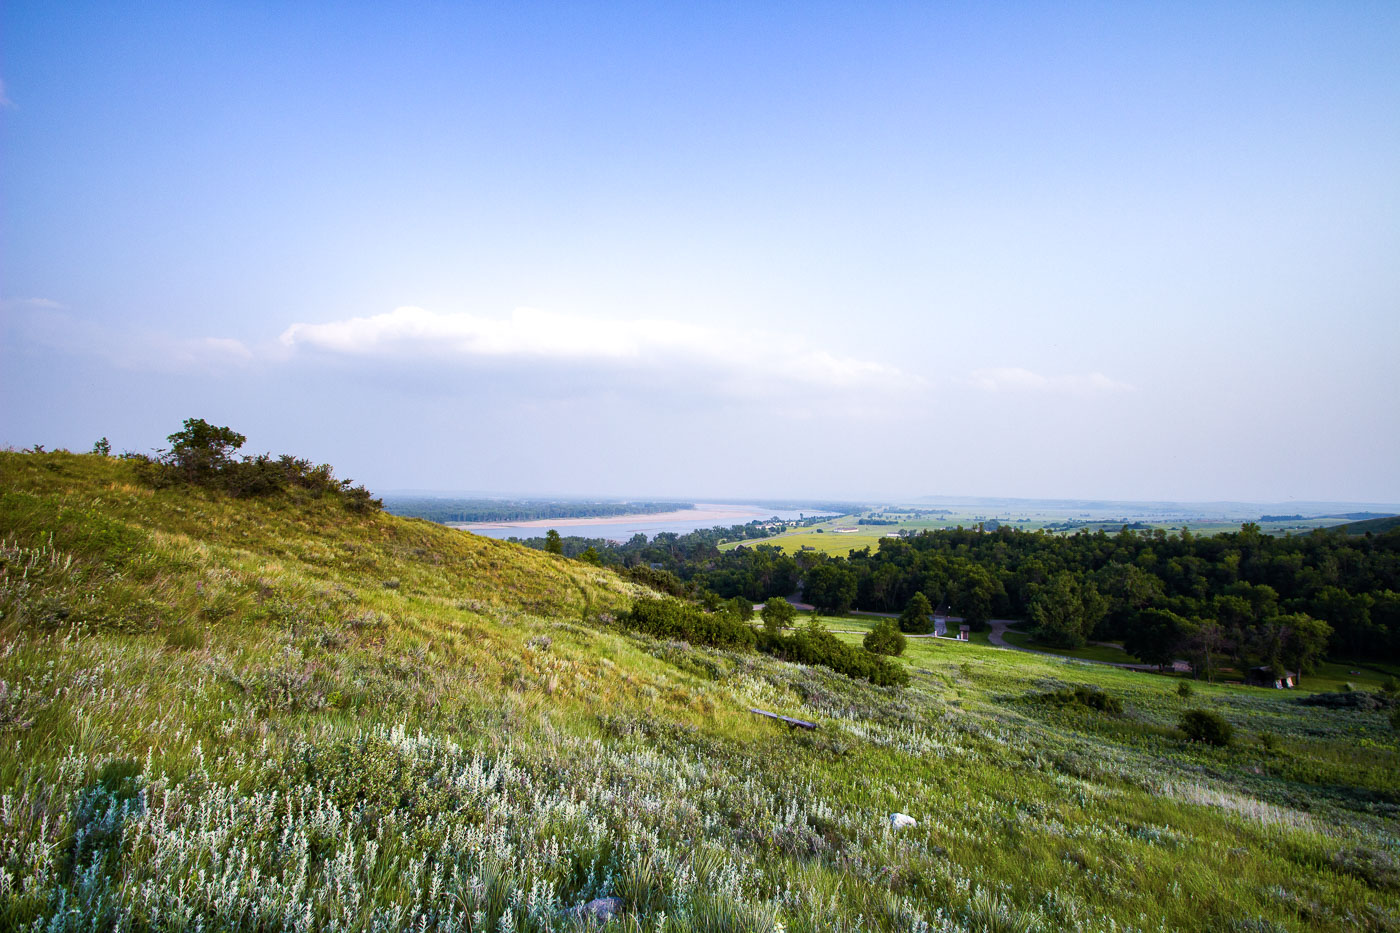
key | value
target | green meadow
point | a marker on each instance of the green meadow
(278, 714)
(1092, 652)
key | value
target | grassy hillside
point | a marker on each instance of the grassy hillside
(278, 714)
(1373, 525)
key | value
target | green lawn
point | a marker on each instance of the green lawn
(1086, 653)
(1333, 676)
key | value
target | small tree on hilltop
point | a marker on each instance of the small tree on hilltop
(885, 639)
(202, 449)
(552, 542)
(778, 614)
(915, 618)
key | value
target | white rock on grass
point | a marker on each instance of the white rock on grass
(901, 820)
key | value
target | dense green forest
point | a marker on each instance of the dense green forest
(518, 510)
(1280, 602)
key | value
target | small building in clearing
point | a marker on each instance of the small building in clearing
(1265, 677)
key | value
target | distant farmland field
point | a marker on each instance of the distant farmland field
(827, 542)
(825, 539)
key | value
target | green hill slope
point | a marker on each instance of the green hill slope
(1373, 525)
(279, 714)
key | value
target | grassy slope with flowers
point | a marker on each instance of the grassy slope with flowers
(278, 714)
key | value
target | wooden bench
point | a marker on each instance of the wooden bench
(792, 723)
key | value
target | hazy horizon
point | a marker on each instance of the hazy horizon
(1067, 251)
(903, 501)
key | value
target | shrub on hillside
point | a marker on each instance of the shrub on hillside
(885, 639)
(663, 581)
(202, 454)
(1202, 725)
(813, 644)
(740, 607)
(1085, 698)
(678, 621)
(1351, 699)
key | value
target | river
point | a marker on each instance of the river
(623, 527)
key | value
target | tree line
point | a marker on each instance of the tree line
(1250, 598)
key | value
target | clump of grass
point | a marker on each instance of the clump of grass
(185, 635)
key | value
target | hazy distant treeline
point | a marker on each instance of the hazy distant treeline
(519, 510)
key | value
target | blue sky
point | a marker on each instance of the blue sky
(855, 250)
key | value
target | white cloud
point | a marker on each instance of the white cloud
(1016, 379)
(5, 102)
(529, 335)
(29, 304)
(46, 323)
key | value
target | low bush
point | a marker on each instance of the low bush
(202, 455)
(885, 639)
(813, 644)
(740, 607)
(1202, 725)
(672, 619)
(1086, 698)
(1351, 699)
(663, 581)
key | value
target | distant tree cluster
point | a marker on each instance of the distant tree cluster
(202, 454)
